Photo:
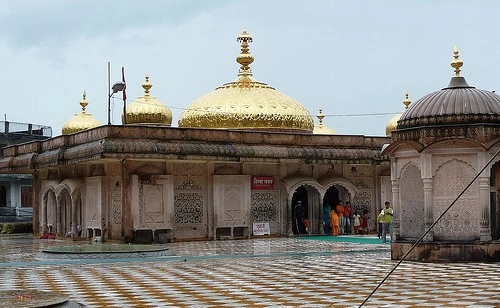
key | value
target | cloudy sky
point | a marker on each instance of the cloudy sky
(355, 59)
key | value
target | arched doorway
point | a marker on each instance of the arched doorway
(333, 195)
(310, 208)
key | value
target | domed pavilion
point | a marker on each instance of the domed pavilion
(446, 174)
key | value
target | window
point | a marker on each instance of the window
(26, 196)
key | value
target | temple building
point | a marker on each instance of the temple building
(240, 159)
(445, 174)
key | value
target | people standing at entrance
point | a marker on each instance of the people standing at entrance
(299, 217)
(339, 209)
(334, 222)
(388, 215)
(380, 221)
(356, 222)
(347, 217)
(307, 225)
(364, 222)
(326, 217)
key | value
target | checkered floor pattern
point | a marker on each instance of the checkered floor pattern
(282, 272)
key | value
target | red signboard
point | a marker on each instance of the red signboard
(263, 183)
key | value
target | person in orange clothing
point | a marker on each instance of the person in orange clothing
(340, 213)
(334, 222)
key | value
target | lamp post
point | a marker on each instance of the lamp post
(117, 87)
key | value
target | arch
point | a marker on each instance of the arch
(292, 183)
(71, 185)
(394, 146)
(467, 142)
(339, 181)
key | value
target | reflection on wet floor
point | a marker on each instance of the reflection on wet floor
(272, 272)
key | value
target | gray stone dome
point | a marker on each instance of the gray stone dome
(458, 103)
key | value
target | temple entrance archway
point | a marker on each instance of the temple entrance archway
(310, 208)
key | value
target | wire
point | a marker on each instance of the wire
(430, 228)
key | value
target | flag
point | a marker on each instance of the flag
(124, 84)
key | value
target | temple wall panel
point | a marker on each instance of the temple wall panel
(232, 200)
(412, 215)
(461, 222)
(190, 207)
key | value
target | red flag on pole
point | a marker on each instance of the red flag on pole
(125, 85)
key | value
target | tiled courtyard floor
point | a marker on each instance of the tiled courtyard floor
(270, 272)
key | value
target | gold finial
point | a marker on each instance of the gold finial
(407, 101)
(146, 85)
(84, 102)
(321, 116)
(456, 63)
(244, 58)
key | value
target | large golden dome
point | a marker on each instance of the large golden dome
(80, 121)
(393, 122)
(148, 110)
(247, 104)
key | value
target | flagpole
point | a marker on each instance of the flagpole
(109, 94)
(124, 98)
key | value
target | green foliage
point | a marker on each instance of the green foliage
(20, 227)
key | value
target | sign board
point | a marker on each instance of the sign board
(263, 183)
(261, 228)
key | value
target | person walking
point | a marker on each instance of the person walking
(380, 221)
(388, 215)
(334, 222)
(356, 222)
(347, 217)
(299, 217)
(339, 208)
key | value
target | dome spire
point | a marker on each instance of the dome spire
(320, 116)
(84, 102)
(146, 86)
(244, 58)
(406, 101)
(456, 63)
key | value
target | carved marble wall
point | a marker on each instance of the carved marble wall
(232, 200)
(411, 195)
(115, 201)
(190, 206)
(264, 206)
(461, 222)
(93, 210)
(152, 202)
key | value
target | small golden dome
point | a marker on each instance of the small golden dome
(148, 110)
(322, 129)
(393, 122)
(247, 104)
(80, 121)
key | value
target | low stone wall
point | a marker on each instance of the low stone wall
(447, 252)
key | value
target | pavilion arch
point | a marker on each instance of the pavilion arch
(468, 142)
(48, 207)
(395, 145)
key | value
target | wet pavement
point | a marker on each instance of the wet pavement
(264, 272)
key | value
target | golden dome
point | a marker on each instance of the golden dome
(80, 121)
(148, 110)
(322, 129)
(393, 122)
(247, 104)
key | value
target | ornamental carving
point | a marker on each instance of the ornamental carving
(362, 201)
(412, 203)
(264, 206)
(461, 222)
(187, 169)
(189, 208)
